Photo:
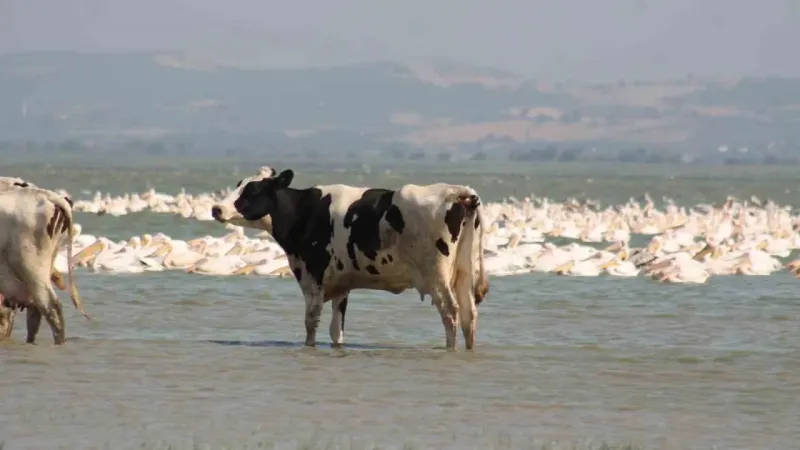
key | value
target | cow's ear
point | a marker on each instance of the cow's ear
(285, 178)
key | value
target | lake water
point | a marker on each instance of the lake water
(180, 359)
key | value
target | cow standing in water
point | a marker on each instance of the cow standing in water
(10, 183)
(34, 221)
(338, 238)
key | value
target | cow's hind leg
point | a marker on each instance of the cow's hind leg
(314, 302)
(339, 306)
(468, 310)
(55, 318)
(46, 302)
(446, 303)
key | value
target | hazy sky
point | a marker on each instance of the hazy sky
(582, 39)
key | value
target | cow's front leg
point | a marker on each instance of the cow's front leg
(34, 320)
(314, 302)
(339, 306)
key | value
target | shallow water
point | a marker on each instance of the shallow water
(175, 357)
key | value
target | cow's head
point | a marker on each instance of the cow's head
(224, 211)
(258, 199)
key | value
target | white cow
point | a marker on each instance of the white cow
(33, 223)
(7, 315)
(8, 183)
(338, 238)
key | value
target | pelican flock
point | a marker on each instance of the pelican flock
(571, 238)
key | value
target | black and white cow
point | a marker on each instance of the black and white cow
(338, 238)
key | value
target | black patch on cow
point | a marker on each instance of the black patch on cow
(395, 218)
(239, 183)
(22, 184)
(301, 220)
(384, 261)
(443, 247)
(298, 274)
(53, 223)
(390, 258)
(363, 218)
(339, 264)
(453, 218)
(371, 269)
(477, 221)
(316, 236)
(343, 309)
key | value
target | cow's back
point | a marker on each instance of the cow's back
(14, 183)
(25, 216)
(442, 231)
(428, 208)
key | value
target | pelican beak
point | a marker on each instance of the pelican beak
(89, 253)
(609, 263)
(281, 272)
(193, 267)
(163, 250)
(235, 250)
(705, 251)
(58, 279)
(246, 270)
(562, 269)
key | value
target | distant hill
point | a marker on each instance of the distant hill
(424, 104)
(91, 93)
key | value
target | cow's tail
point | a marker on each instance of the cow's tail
(63, 206)
(470, 251)
(482, 282)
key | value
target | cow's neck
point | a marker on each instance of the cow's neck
(289, 218)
